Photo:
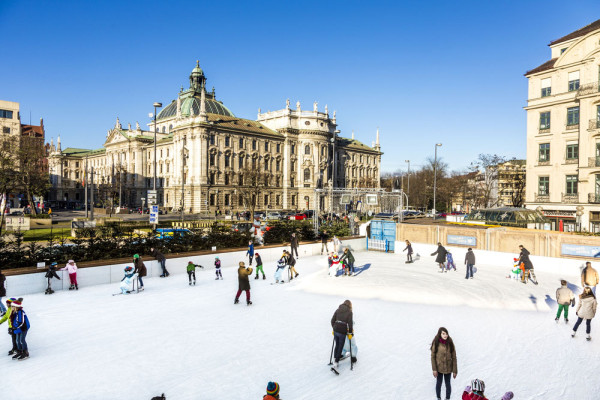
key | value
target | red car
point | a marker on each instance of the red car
(300, 216)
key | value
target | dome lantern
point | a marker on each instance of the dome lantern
(197, 78)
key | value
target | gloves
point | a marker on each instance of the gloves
(332, 333)
(468, 389)
(350, 336)
(508, 396)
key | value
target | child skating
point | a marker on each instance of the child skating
(71, 268)
(218, 269)
(191, 271)
(51, 273)
(564, 298)
(259, 266)
(250, 252)
(450, 262)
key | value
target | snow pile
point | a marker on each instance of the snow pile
(192, 342)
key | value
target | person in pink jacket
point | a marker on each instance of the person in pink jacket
(71, 268)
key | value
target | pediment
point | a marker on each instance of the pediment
(115, 136)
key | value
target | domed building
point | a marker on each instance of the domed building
(208, 159)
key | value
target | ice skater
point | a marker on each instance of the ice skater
(127, 281)
(294, 245)
(324, 239)
(450, 262)
(589, 277)
(5, 318)
(161, 260)
(250, 252)
(20, 324)
(259, 266)
(291, 262)
(443, 361)
(279, 270)
(140, 270)
(191, 271)
(470, 263)
(272, 391)
(2, 293)
(336, 244)
(527, 265)
(348, 260)
(51, 273)
(218, 269)
(409, 253)
(586, 310)
(243, 283)
(342, 325)
(441, 256)
(71, 268)
(564, 298)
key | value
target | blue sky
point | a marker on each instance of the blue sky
(423, 72)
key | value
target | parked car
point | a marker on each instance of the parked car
(288, 215)
(273, 215)
(168, 233)
(300, 216)
(242, 227)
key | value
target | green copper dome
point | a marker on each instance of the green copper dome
(191, 106)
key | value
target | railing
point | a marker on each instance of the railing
(571, 161)
(570, 198)
(544, 130)
(542, 163)
(594, 124)
(571, 127)
(588, 88)
(594, 198)
(594, 162)
(542, 198)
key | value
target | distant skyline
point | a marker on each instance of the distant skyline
(449, 73)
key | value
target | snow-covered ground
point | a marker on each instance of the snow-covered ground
(194, 343)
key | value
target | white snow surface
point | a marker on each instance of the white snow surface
(192, 342)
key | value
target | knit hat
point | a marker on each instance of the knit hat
(273, 388)
(256, 254)
(17, 303)
(128, 268)
(507, 396)
(242, 264)
(10, 300)
(136, 256)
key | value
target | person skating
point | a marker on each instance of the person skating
(294, 245)
(443, 361)
(250, 252)
(140, 270)
(348, 260)
(527, 265)
(243, 283)
(589, 277)
(475, 391)
(218, 269)
(161, 260)
(564, 298)
(586, 309)
(409, 253)
(336, 243)
(51, 273)
(470, 263)
(6, 318)
(342, 325)
(259, 266)
(272, 391)
(441, 256)
(21, 326)
(2, 293)
(324, 238)
(71, 268)
(191, 271)
(450, 262)
(291, 262)
(127, 281)
(279, 271)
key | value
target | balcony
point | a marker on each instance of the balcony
(542, 163)
(593, 162)
(589, 88)
(570, 198)
(572, 127)
(593, 198)
(542, 198)
(594, 124)
(543, 130)
(571, 161)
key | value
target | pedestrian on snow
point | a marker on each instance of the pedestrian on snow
(410, 252)
(243, 283)
(161, 260)
(564, 298)
(6, 317)
(140, 270)
(191, 271)
(589, 277)
(336, 243)
(250, 252)
(443, 361)
(218, 268)
(51, 273)
(342, 325)
(527, 265)
(324, 239)
(291, 261)
(2, 293)
(441, 256)
(470, 263)
(272, 391)
(294, 245)
(280, 267)
(348, 259)
(259, 266)
(586, 310)
(20, 324)
(71, 268)
(475, 391)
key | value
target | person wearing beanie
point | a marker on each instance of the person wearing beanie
(343, 326)
(443, 361)
(475, 391)
(250, 252)
(585, 310)
(71, 268)
(191, 271)
(21, 326)
(218, 268)
(51, 273)
(11, 332)
(140, 270)
(564, 298)
(243, 283)
(272, 391)
(259, 266)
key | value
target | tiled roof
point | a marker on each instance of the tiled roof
(240, 124)
(579, 32)
(32, 130)
(354, 144)
(545, 66)
(72, 151)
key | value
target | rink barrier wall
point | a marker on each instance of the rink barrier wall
(555, 265)
(28, 283)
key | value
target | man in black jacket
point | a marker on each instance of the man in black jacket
(528, 265)
(341, 322)
(324, 239)
(294, 245)
(161, 259)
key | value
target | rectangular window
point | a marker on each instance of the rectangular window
(254, 163)
(254, 145)
(212, 199)
(5, 129)
(277, 166)
(241, 161)
(572, 116)
(572, 151)
(6, 114)
(240, 201)
(226, 201)
(544, 186)
(227, 179)
(278, 147)
(266, 165)
(266, 146)
(266, 198)
(276, 200)
(212, 139)
(226, 160)
(546, 87)
(573, 81)
(544, 152)
(293, 149)
(212, 160)
(545, 120)
(226, 141)
(241, 143)
(212, 178)
(293, 199)
(292, 183)
(571, 184)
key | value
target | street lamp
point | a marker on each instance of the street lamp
(333, 138)
(408, 182)
(435, 176)
(156, 105)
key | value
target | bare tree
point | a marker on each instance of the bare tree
(32, 179)
(487, 180)
(8, 172)
(252, 182)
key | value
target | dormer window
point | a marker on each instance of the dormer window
(563, 50)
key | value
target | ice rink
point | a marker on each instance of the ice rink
(192, 342)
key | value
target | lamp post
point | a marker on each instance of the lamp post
(333, 138)
(184, 156)
(156, 105)
(408, 182)
(435, 176)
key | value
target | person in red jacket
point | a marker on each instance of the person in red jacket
(475, 391)
(272, 391)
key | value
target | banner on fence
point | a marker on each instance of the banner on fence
(580, 250)
(462, 240)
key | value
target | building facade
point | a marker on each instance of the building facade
(511, 186)
(204, 154)
(563, 132)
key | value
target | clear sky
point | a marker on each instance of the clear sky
(423, 72)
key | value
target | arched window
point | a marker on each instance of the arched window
(307, 174)
(170, 128)
(307, 149)
(164, 130)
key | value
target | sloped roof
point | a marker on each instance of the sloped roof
(545, 66)
(578, 33)
(355, 144)
(32, 130)
(242, 124)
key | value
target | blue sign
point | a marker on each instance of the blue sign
(154, 215)
(580, 250)
(462, 240)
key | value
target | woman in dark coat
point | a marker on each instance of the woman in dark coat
(244, 283)
(441, 256)
(140, 269)
(2, 293)
(527, 264)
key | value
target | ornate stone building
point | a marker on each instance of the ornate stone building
(203, 150)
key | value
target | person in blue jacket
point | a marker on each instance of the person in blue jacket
(250, 252)
(20, 324)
